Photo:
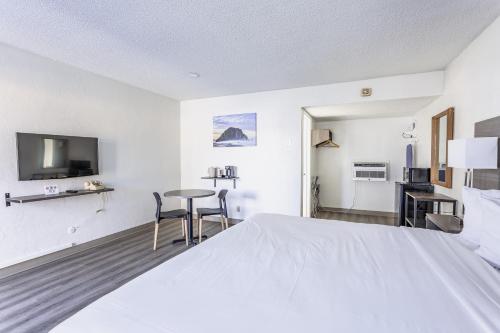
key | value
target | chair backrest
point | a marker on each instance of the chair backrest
(222, 201)
(158, 205)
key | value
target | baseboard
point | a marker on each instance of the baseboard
(217, 219)
(35, 262)
(34, 255)
(358, 212)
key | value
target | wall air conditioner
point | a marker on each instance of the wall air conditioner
(369, 171)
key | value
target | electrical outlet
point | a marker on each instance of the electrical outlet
(238, 209)
(366, 92)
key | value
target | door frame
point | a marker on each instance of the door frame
(304, 115)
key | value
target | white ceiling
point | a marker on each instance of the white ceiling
(376, 109)
(241, 46)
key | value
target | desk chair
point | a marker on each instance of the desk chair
(169, 215)
(222, 211)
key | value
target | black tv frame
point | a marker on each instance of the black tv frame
(55, 136)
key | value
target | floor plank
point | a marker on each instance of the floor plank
(356, 217)
(38, 299)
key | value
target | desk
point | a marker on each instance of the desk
(423, 197)
(400, 197)
(189, 195)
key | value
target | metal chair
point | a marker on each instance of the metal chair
(169, 215)
(222, 211)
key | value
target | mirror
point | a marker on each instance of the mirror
(442, 131)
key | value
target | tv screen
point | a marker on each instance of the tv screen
(45, 156)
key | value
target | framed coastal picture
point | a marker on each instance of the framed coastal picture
(235, 130)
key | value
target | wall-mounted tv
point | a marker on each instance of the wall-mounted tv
(46, 156)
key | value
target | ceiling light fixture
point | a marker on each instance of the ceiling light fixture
(194, 75)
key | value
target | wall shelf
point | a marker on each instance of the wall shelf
(222, 178)
(42, 197)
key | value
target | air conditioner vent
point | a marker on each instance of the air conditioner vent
(369, 165)
(369, 171)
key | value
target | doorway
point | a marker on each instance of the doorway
(306, 163)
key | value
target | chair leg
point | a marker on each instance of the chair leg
(200, 229)
(227, 222)
(222, 221)
(156, 235)
(185, 231)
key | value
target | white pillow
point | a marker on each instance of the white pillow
(472, 198)
(473, 217)
(490, 236)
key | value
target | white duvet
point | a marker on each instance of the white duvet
(275, 273)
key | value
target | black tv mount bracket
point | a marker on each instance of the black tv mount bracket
(7, 202)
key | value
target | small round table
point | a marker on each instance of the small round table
(189, 195)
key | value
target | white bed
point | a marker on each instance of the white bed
(275, 273)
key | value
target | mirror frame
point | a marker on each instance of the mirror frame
(435, 147)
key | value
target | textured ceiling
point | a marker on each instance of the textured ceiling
(241, 46)
(373, 109)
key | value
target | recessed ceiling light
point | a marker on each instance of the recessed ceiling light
(194, 75)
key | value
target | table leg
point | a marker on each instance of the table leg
(190, 219)
(415, 212)
(189, 224)
(406, 209)
(191, 239)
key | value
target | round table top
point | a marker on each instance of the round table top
(192, 193)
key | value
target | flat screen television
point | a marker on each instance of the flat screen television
(46, 156)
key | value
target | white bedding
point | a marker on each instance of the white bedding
(275, 273)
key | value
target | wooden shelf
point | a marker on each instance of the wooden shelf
(42, 197)
(222, 178)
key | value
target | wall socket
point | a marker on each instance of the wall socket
(238, 209)
(366, 92)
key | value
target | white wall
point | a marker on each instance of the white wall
(472, 81)
(139, 152)
(271, 172)
(361, 140)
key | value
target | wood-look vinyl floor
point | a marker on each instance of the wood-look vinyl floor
(356, 217)
(39, 299)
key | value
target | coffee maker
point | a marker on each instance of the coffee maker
(231, 171)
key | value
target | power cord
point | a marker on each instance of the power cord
(104, 198)
(354, 196)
